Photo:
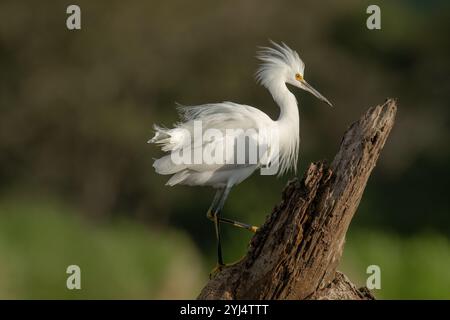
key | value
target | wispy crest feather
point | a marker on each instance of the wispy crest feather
(276, 61)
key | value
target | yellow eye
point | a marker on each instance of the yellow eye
(298, 77)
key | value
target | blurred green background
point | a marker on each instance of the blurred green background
(77, 107)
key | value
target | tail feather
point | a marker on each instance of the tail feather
(165, 165)
(177, 178)
(169, 139)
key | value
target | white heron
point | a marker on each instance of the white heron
(280, 66)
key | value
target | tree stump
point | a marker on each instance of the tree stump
(294, 255)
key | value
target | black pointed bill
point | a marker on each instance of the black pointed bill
(316, 93)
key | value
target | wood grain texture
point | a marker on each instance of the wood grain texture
(294, 255)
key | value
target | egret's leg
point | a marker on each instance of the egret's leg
(216, 212)
(220, 263)
(213, 215)
(215, 206)
(217, 219)
(239, 224)
(219, 243)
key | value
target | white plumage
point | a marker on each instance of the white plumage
(280, 66)
(220, 116)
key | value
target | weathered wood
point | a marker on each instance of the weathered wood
(295, 253)
(341, 289)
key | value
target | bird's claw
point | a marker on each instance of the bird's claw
(216, 270)
(219, 267)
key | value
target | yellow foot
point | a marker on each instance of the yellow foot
(254, 229)
(216, 270)
(219, 267)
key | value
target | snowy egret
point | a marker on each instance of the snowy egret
(280, 66)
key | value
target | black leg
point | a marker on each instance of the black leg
(219, 243)
(213, 214)
(214, 204)
(217, 218)
(239, 224)
(217, 205)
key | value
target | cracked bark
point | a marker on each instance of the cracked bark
(294, 255)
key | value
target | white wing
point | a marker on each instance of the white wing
(220, 117)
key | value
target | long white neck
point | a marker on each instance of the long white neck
(288, 124)
(286, 102)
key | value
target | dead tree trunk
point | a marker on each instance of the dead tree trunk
(295, 253)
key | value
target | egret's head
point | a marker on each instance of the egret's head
(281, 63)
